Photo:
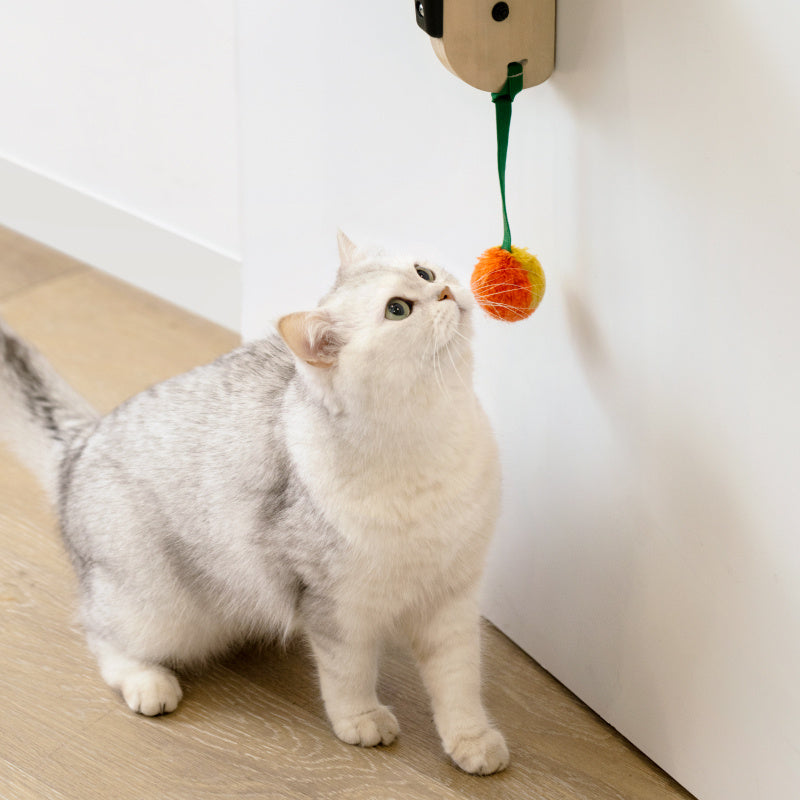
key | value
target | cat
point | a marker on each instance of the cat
(337, 479)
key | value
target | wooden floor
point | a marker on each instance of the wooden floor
(253, 726)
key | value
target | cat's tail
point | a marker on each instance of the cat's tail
(40, 413)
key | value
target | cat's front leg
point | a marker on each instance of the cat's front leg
(348, 673)
(447, 648)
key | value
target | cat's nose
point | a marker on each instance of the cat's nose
(446, 294)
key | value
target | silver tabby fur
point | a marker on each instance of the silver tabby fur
(337, 479)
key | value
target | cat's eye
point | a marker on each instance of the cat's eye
(425, 274)
(397, 308)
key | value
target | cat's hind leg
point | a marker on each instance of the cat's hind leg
(148, 689)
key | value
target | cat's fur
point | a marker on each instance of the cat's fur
(338, 478)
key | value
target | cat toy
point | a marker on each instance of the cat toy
(508, 282)
(474, 40)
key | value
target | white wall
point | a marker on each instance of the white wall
(360, 128)
(119, 140)
(648, 411)
(652, 517)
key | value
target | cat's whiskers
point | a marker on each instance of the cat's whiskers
(517, 310)
(444, 340)
(455, 367)
(437, 365)
(490, 297)
(457, 332)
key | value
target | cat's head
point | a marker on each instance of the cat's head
(390, 327)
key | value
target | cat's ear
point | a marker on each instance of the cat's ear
(311, 336)
(348, 252)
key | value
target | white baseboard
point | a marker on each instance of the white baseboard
(187, 273)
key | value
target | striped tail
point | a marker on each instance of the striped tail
(40, 413)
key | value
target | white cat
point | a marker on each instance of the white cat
(337, 479)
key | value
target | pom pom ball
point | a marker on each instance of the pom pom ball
(508, 285)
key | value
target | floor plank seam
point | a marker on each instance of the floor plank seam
(20, 294)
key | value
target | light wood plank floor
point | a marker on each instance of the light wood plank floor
(252, 726)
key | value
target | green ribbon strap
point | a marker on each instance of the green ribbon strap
(502, 104)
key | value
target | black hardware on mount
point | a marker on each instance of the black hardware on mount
(430, 16)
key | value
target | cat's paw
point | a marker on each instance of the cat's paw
(152, 691)
(374, 727)
(484, 754)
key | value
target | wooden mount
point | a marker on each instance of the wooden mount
(480, 39)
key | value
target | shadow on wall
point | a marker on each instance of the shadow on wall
(659, 230)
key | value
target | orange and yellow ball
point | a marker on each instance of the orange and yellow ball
(508, 285)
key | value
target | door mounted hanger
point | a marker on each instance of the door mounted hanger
(502, 48)
(477, 39)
